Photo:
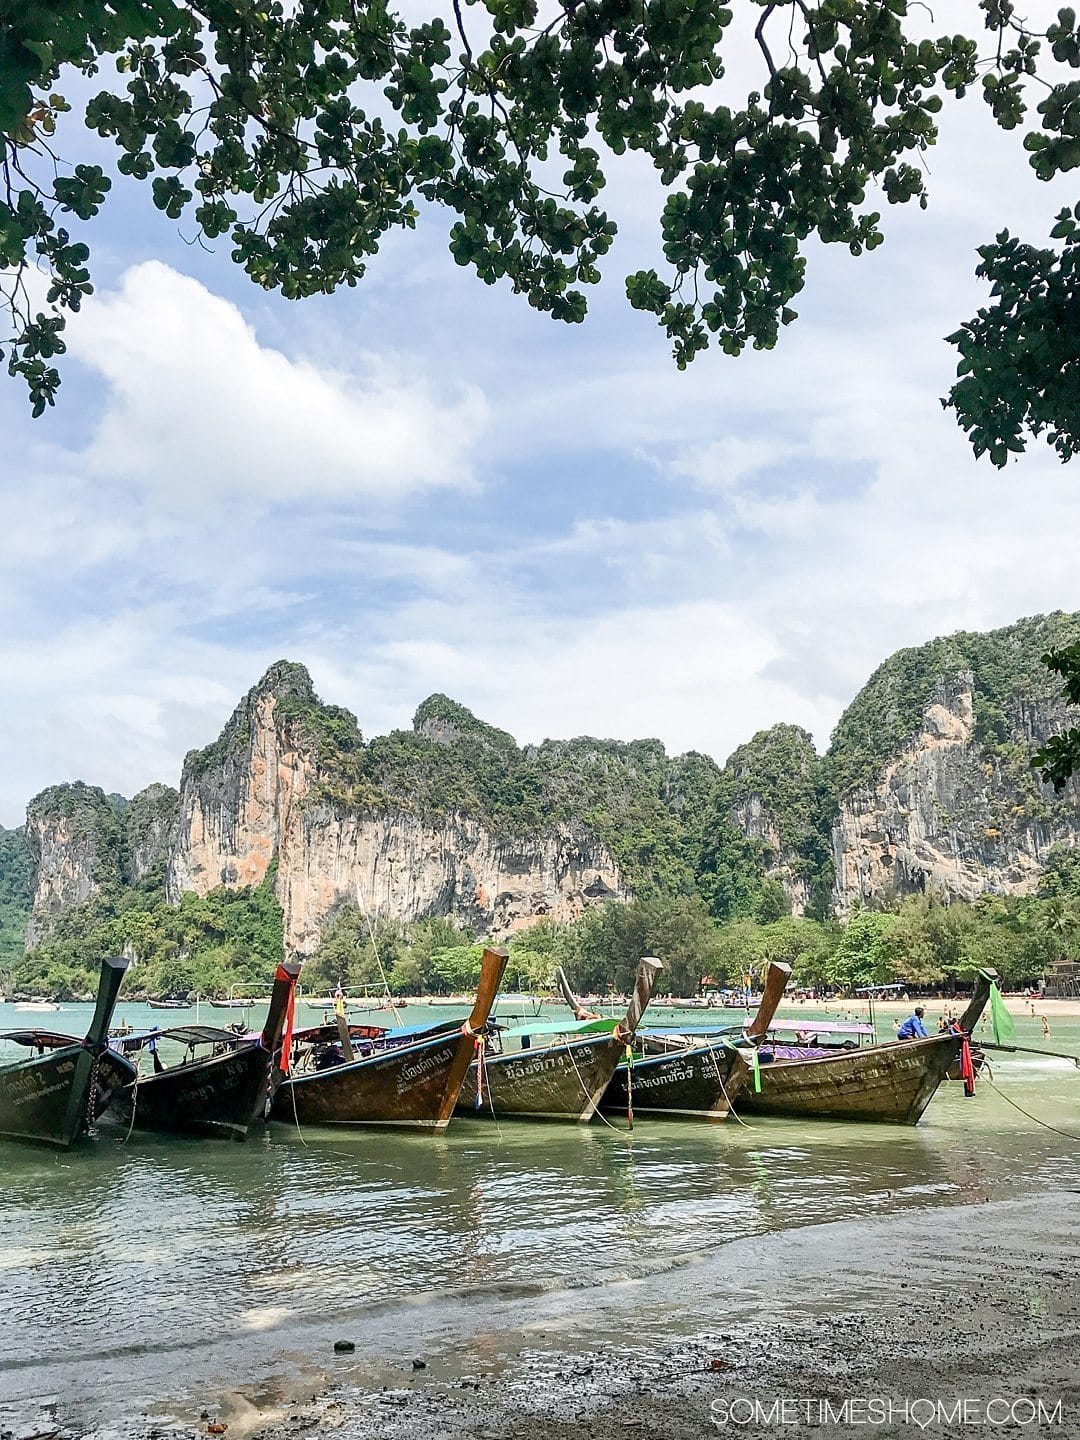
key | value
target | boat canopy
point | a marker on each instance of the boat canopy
(329, 1032)
(425, 1027)
(183, 1035)
(605, 1025)
(41, 1039)
(822, 1027)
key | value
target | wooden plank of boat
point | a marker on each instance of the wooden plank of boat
(890, 1083)
(563, 1081)
(220, 1094)
(685, 1078)
(697, 1082)
(700, 1080)
(414, 1084)
(54, 1096)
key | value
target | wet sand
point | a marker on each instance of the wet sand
(972, 1303)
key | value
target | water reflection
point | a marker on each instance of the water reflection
(163, 1242)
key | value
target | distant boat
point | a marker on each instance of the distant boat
(37, 1005)
(170, 1004)
(53, 1097)
(354, 1006)
(234, 1004)
(223, 1082)
(518, 1003)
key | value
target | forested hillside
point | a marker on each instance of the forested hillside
(589, 850)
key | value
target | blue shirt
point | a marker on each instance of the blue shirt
(912, 1029)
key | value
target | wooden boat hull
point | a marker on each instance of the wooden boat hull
(891, 1083)
(53, 1099)
(557, 1082)
(411, 1087)
(221, 1095)
(699, 1083)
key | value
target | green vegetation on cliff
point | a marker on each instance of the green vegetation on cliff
(227, 940)
(647, 808)
(15, 898)
(1005, 666)
(730, 845)
(770, 816)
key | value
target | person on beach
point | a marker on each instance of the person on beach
(1046, 1027)
(913, 1027)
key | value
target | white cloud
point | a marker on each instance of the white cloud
(197, 407)
(728, 463)
(694, 555)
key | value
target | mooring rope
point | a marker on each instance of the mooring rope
(588, 1096)
(723, 1091)
(1033, 1118)
(375, 949)
(485, 1079)
(134, 1096)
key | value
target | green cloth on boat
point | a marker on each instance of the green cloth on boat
(1000, 1019)
(562, 1027)
(755, 1065)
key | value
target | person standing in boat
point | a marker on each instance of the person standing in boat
(913, 1027)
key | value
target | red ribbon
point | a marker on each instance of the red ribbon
(287, 1028)
(967, 1068)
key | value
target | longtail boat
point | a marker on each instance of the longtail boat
(408, 1077)
(561, 1081)
(222, 1083)
(55, 1095)
(891, 1083)
(700, 1078)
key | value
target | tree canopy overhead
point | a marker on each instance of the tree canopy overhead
(304, 132)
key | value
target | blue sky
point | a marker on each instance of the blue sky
(423, 485)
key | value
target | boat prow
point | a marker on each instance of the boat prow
(53, 1097)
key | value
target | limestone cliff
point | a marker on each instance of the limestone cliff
(291, 781)
(926, 784)
(73, 834)
(769, 791)
(932, 775)
(153, 822)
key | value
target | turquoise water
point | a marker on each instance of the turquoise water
(144, 1262)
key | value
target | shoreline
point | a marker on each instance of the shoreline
(972, 1301)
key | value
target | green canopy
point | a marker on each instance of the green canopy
(562, 1027)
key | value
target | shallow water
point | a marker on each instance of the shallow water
(142, 1261)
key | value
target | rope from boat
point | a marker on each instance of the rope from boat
(296, 1117)
(375, 949)
(588, 1096)
(1065, 1134)
(481, 1061)
(134, 1096)
(732, 1112)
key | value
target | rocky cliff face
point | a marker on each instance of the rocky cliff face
(398, 865)
(267, 791)
(950, 813)
(72, 833)
(927, 784)
(153, 825)
(769, 789)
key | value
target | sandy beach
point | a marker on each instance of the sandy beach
(883, 1327)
